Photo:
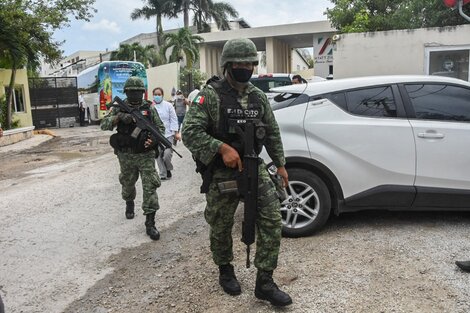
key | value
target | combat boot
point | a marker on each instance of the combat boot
(228, 280)
(150, 226)
(266, 289)
(130, 209)
(463, 265)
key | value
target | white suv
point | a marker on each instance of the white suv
(383, 142)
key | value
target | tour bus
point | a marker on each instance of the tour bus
(100, 83)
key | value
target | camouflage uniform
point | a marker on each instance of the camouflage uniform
(134, 163)
(203, 116)
(211, 131)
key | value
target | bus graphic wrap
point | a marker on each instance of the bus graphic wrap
(101, 83)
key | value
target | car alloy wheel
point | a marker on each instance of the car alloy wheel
(308, 205)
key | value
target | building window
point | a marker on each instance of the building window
(18, 99)
(449, 62)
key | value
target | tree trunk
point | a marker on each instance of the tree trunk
(186, 17)
(10, 95)
(199, 21)
(159, 30)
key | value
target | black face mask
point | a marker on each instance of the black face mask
(241, 75)
(134, 96)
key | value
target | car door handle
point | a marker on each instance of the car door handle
(317, 102)
(431, 135)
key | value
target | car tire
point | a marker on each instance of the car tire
(308, 206)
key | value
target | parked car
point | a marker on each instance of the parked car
(382, 142)
(266, 82)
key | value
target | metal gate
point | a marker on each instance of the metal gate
(54, 101)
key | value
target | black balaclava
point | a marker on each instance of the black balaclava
(134, 97)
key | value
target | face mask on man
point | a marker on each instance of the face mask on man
(158, 99)
(134, 96)
(242, 75)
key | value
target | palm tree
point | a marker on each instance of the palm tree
(183, 44)
(157, 8)
(147, 55)
(204, 12)
(183, 6)
(219, 12)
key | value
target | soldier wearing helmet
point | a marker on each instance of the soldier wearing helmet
(217, 149)
(136, 154)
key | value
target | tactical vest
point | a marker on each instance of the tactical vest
(124, 141)
(230, 110)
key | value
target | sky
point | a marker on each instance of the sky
(112, 23)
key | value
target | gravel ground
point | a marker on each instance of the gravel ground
(67, 247)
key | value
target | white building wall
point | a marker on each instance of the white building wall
(165, 76)
(209, 59)
(278, 56)
(297, 62)
(69, 66)
(394, 52)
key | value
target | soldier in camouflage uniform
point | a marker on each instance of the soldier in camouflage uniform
(136, 155)
(211, 141)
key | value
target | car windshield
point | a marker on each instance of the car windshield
(266, 83)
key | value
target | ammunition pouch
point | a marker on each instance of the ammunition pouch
(239, 187)
(125, 143)
(206, 172)
(140, 142)
(120, 141)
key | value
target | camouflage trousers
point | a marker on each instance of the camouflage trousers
(219, 214)
(133, 164)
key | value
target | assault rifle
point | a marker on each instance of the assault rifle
(248, 186)
(145, 124)
(247, 181)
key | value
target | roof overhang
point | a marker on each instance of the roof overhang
(298, 35)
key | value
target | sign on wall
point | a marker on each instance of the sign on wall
(323, 55)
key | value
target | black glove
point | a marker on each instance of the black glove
(126, 118)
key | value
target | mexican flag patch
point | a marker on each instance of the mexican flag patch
(199, 100)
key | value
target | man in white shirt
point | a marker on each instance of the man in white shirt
(167, 114)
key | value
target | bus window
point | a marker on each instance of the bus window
(99, 84)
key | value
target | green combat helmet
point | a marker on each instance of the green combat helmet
(239, 50)
(134, 83)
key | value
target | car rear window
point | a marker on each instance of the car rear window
(374, 102)
(266, 83)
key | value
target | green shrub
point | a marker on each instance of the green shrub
(3, 115)
(191, 79)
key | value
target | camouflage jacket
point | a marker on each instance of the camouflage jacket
(107, 123)
(204, 115)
